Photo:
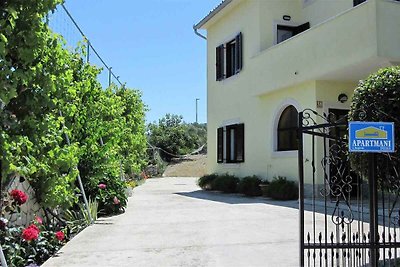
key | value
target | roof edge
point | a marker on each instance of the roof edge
(213, 12)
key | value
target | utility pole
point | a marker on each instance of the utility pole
(197, 100)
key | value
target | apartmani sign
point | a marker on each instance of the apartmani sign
(376, 137)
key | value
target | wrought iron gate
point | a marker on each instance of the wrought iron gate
(347, 218)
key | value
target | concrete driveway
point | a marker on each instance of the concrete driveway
(170, 222)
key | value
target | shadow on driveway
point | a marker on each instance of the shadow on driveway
(236, 198)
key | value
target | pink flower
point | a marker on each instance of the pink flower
(102, 186)
(60, 236)
(116, 201)
(30, 233)
(38, 220)
(18, 196)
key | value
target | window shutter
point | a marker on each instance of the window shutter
(239, 143)
(228, 144)
(219, 53)
(301, 28)
(220, 145)
(239, 53)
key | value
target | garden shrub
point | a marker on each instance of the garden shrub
(282, 189)
(225, 183)
(250, 186)
(33, 244)
(378, 99)
(205, 181)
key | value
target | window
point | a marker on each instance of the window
(229, 58)
(357, 2)
(230, 144)
(284, 32)
(287, 129)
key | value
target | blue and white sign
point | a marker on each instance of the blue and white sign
(377, 137)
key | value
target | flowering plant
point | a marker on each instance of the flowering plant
(18, 196)
(30, 233)
(29, 245)
(60, 236)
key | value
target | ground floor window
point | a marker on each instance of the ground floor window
(230, 144)
(287, 129)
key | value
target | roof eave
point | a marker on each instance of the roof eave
(211, 15)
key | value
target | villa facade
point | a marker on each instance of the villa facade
(269, 60)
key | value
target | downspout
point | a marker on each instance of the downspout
(197, 33)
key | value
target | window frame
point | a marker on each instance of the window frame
(229, 58)
(231, 147)
(294, 145)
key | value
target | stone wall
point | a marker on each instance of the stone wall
(28, 210)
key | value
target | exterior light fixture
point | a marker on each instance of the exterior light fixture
(342, 98)
(286, 17)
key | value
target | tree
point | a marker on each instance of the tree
(175, 137)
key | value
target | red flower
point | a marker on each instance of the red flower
(102, 186)
(30, 233)
(116, 201)
(60, 236)
(18, 196)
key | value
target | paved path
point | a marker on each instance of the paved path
(169, 222)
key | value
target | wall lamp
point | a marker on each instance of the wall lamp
(342, 98)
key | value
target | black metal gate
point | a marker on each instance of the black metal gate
(347, 218)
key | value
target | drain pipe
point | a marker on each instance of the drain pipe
(197, 33)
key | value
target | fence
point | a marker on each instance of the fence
(62, 22)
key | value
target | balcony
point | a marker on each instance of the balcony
(347, 47)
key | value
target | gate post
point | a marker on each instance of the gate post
(373, 210)
(301, 188)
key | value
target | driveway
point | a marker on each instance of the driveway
(170, 222)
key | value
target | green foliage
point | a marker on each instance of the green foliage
(175, 137)
(226, 183)
(78, 218)
(206, 181)
(49, 92)
(378, 99)
(282, 189)
(250, 186)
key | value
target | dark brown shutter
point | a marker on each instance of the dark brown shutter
(239, 53)
(220, 145)
(301, 28)
(239, 143)
(219, 62)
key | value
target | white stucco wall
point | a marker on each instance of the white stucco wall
(316, 65)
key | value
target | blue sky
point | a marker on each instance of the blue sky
(151, 46)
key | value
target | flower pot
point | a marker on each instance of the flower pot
(264, 190)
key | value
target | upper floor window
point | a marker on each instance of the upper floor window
(230, 144)
(284, 32)
(287, 129)
(229, 59)
(357, 2)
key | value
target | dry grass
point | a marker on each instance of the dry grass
(193, 166)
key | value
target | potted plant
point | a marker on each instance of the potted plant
(264, 186)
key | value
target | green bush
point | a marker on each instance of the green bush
(282, 189)
(250, 186)
(225, 183)
(205, 181)
(378, 99)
